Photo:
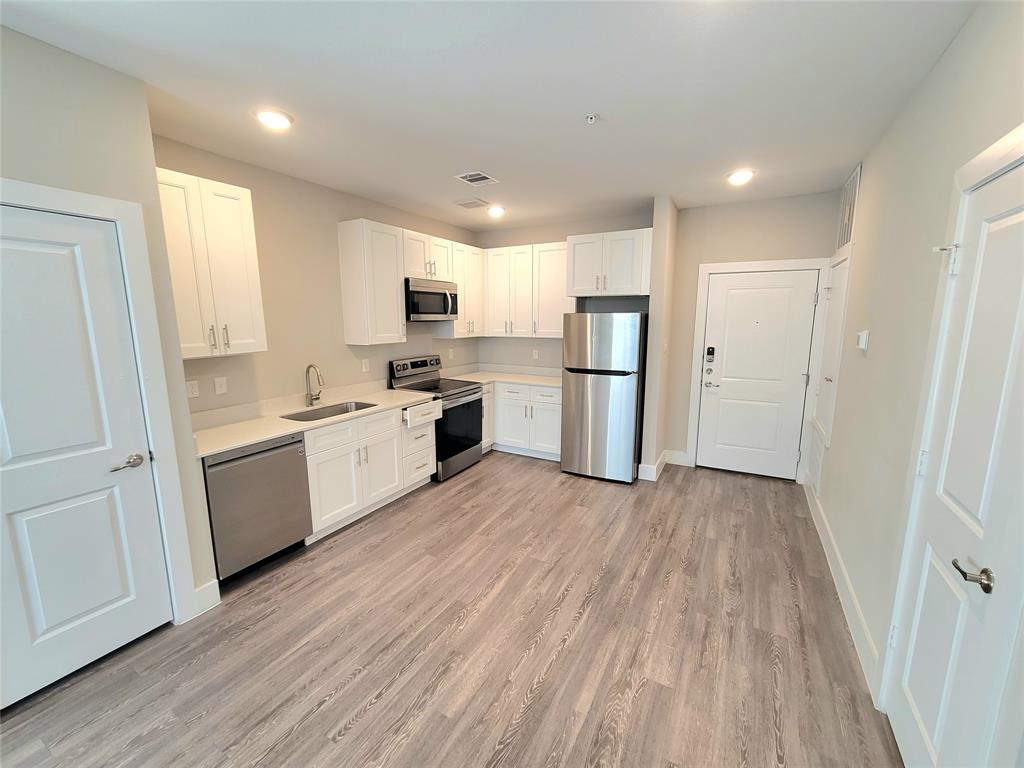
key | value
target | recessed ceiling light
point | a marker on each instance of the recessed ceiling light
(496, 211)
(740, 177)
(275, 120)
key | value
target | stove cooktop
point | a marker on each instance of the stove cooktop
(442, 387)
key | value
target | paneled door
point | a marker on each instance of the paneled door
(498, 292)
(965, 573)
(382, 466)
(549, 300)
(585, 268)
(520, 278)
(82, 557)
(756, 354)
(623, 263)
(475, 291)
(385, 286)
(234, 268)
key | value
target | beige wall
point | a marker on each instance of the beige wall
(802, 227)
(297, 242)
(555, 232)
(519, 352)
(69, 123)
(970, 99)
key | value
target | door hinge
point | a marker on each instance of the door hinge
(954, 257)
(816, 293)
(151, 456)
(807, 380)
(893, 633)
(799, 453)
(922, 463)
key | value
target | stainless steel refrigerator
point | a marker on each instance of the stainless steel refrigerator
(603, 356)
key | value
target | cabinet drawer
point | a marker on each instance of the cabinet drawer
(546, 394)
(420, 465)
(425, 413)
(512, 391)
(489, 389)
(382, 422)
(417, 438)
(325, 438)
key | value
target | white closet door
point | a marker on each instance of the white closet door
(521, 287)
(835, 320)
(234, 268)
(549, 300)
(82, 554)
(498, 293)
(185, 235)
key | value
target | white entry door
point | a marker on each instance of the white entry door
(82, 557)
(757, 346)
(956, 638)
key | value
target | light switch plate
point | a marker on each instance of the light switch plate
(451, 353)
(366, 366)
(192, 387)
(862, 340)
(220, 385)
(536, 354)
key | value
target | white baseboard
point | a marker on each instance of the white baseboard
(652, 471)
(207, 597)
(679, 458)
(867, 652)
(525, 452)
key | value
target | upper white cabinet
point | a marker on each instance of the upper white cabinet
(609, 264)
(211, 247)
(526, 291)
(426, 256)
(468, 273)
(372, 285)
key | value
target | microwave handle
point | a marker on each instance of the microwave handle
(448, 298)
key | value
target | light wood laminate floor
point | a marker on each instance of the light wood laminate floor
(513, 616)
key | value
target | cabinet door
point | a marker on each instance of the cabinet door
(475, 291)
(440, 259)
(488, 425)
(385, 296)
(623, 263)
(382, 466)
(460, 276)
(190, 268)
(335, 484)
(549, 299)
(521, 288)
(417, 254)
(512, 423)
(584, 268)
(234, 268)
(546, 427)
(498, 293)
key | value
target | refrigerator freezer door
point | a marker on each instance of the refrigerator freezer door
(606, 341)
(599, 413)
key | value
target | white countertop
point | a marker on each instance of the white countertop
(228, 436)
(489, 377)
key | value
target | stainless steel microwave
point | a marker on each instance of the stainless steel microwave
(430, 300)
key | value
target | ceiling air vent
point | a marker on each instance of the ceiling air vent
(476, 178)
(472, 203)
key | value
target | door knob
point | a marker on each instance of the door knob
(984, 578)
(133, 460)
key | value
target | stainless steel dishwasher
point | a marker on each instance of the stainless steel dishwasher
(259, 501)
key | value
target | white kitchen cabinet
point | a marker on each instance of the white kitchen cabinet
(546, 427)
(498, 295)
(335, 484)
(550, 302)
(468, 274)
(488, 416)
(520, 286)
(512, 423)
(416, 249)
(215, 277)
(372, 287)
(440, 259)
(609, 264)
(382, 466)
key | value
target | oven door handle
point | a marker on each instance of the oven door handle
(448, 299)
(452, 402)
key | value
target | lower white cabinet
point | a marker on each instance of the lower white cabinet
(351, 477)
(488, 414)
(533, 423)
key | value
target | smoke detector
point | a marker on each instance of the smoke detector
(476, 178)
(591, 117)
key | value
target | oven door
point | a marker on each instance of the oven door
(427, 300)
(459, 433)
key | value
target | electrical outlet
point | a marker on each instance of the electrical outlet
(220, 385)
(451, 353)
(192, 388)
(536, 354)
(366, 366)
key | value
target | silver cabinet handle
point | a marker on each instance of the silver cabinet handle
(511, 328)
(227, 338)
(420, 436)
(419, 467)
(606, 282)
(506, 327)
(366, 454)
(133, 460)
(359, 457)
(531, 411)
(984, 578)
(213, 337)
(526, 409)
(534, 327)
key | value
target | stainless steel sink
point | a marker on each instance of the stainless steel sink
(326, 411)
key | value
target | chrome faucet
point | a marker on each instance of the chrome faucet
(312, 397)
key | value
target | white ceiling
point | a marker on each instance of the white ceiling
(393, 99)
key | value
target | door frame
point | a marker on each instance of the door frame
(1003, 156)
(704, 273)
(187, 601)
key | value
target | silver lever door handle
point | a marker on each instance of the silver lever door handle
(984, 578)
(133, 460)
(709, 385)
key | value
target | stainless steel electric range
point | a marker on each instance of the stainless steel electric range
(459, 431)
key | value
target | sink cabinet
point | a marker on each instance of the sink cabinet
(215, 276)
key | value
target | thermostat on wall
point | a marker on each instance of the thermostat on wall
(862, 340)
